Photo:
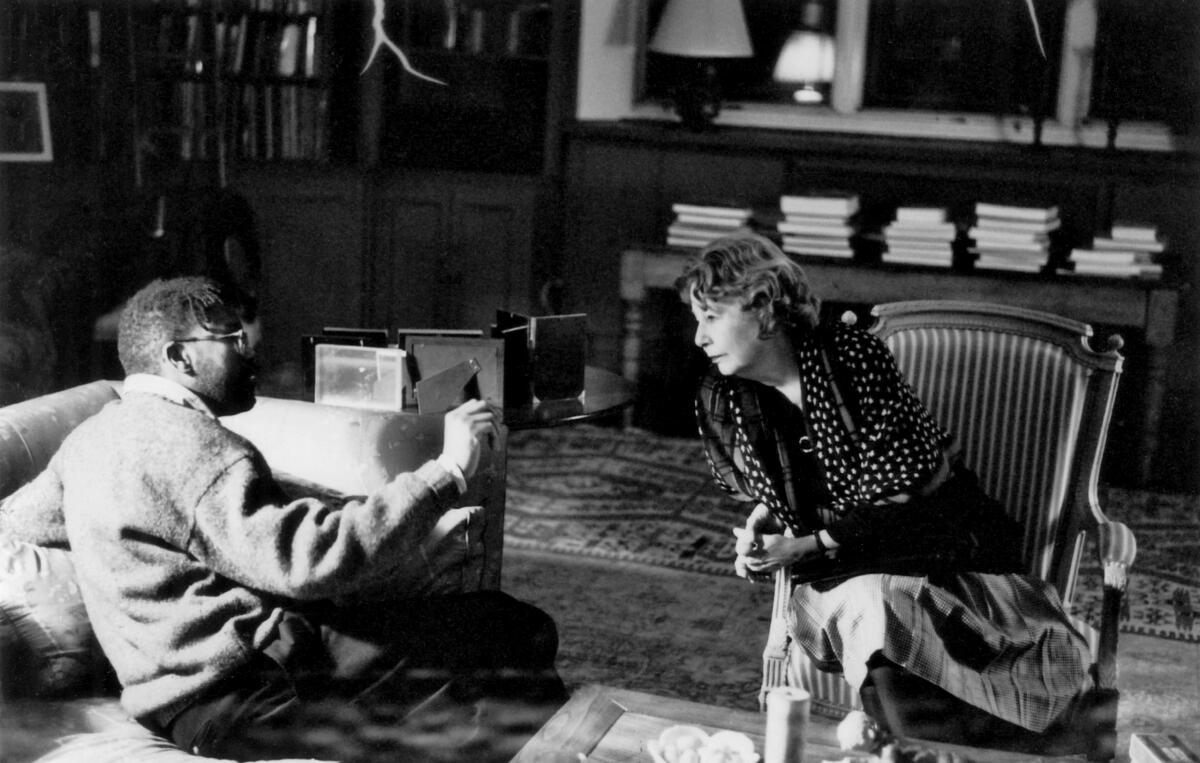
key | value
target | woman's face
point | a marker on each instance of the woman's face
(730, 338)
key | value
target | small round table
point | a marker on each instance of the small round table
(604, 393)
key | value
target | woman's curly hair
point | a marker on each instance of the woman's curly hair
(754, 271)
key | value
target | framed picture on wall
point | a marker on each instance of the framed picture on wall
(24, 123)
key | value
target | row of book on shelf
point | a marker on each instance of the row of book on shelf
(490, 28)
(994, 236)
(247, 39)
(262, 121)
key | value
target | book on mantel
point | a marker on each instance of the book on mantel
(920, 236)
(1130, 231)
(921, 215)
(836, 203)
(698, 223)
(818, 223)
(1042, 214)
(1114, 263)
(1011, 237)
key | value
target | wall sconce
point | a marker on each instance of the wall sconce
(702, 30)
(807, 58)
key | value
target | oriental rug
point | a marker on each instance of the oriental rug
(635, 496)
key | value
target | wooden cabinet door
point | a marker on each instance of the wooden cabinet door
(410, 227)
(450, 249)
(309, 225)
(491, 249)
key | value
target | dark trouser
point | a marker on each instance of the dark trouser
(393, 674)
(910, 707)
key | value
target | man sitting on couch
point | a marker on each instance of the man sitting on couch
(212, 593)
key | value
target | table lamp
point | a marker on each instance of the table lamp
(807, 58)
(701, 30)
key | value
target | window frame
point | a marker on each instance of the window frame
(610, 59)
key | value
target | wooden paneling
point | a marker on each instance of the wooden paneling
(409, 243)
(310, 228)
(491, 251)
(449, 249)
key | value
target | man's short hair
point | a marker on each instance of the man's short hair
(160, 312)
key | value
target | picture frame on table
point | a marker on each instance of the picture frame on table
(431, 354)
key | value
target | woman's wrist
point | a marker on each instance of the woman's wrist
(801, 548)
(822, 541)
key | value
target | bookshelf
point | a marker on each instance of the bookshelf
(149, 86)
(372, 198)
(54, 43)
(230, 79)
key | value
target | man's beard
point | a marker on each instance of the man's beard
(227, 391)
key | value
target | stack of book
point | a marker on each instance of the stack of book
(697, 225)
(920, 236)
(1011, 237)
(1128, 250)
(819, 224)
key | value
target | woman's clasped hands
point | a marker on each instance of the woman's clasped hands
(762, 547)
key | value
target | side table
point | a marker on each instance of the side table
(604, 393)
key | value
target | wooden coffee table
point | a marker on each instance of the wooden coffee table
(602, 724)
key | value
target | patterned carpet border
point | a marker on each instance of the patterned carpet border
(638, 497)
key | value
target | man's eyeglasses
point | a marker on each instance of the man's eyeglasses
(238, 338)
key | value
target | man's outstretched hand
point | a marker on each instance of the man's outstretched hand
(466, 428)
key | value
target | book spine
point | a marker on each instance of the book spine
(1020, 213)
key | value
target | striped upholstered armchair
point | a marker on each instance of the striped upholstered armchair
(1030, 402)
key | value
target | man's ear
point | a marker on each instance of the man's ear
(176, 356)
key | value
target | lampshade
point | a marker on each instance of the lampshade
(806, 59)
(703, 29)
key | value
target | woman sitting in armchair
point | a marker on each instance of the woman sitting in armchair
(913, 589)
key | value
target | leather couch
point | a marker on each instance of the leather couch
(61, 687)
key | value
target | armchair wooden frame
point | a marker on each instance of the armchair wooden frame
(1030, 401)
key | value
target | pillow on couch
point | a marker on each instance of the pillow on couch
(47, 648)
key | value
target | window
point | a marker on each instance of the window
(1147, 66)
(947, 55)
(769, 23)
(933, 68)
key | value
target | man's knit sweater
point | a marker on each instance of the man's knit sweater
(187, 550)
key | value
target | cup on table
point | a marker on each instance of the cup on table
(787, 724)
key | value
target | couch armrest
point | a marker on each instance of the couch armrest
(31, 431)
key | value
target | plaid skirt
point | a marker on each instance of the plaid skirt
(999, 642)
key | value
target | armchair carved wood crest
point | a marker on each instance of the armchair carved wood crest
(1030, 401)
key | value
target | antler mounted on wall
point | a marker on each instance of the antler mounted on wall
(1037, 29)
(381, 40)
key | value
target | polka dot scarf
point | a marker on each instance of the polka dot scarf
(866, 433)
